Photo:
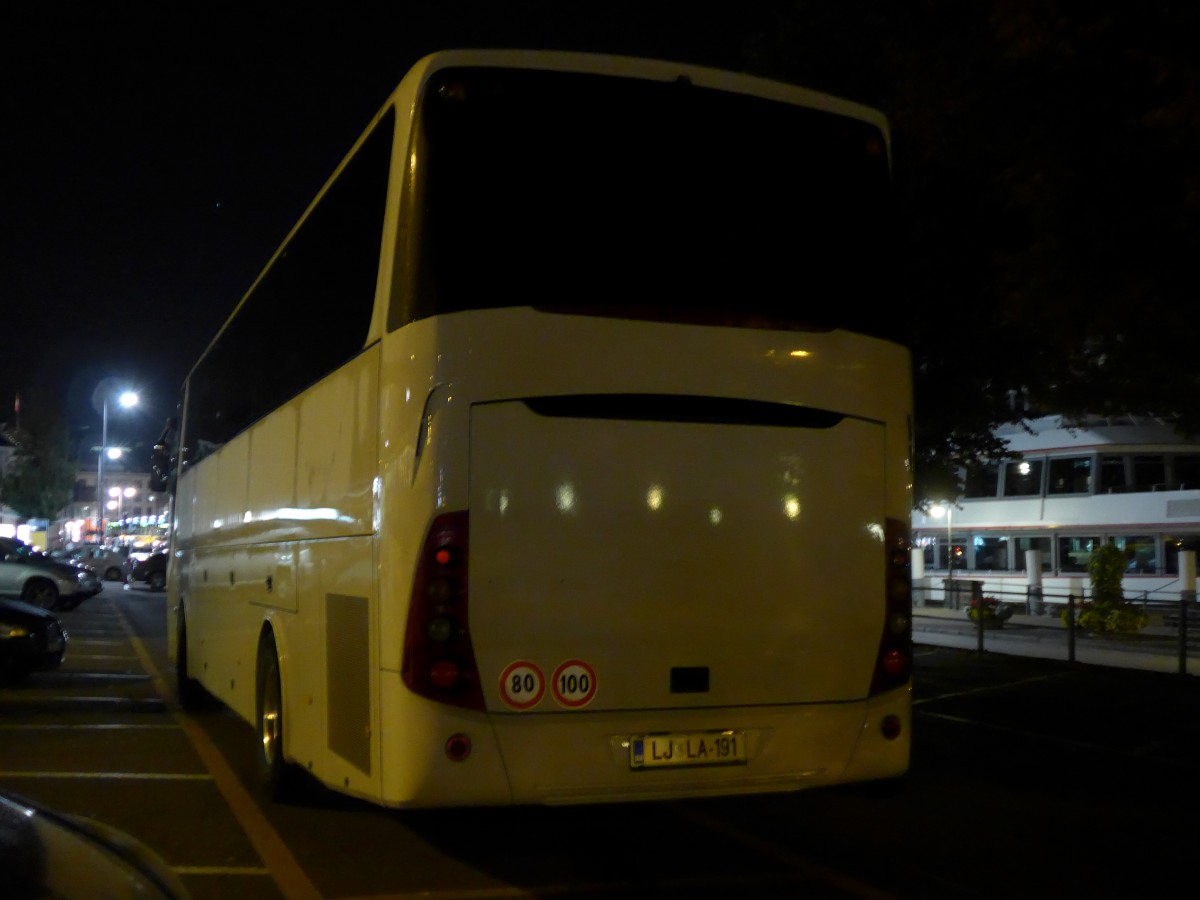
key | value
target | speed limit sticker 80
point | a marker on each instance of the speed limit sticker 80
(522, 684)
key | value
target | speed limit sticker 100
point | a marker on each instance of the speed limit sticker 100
(574, 684)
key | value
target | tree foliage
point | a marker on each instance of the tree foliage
(41, 476)
(1047, 167)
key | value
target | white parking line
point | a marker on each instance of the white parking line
(111, 776)
(219, 870)
(100, 726)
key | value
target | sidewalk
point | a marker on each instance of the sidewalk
(1153, 649)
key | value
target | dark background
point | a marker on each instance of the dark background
(152, 157)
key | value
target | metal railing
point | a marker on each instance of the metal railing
(1174, 621)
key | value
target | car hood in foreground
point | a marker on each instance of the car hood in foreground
(44, 853)
(18, 612)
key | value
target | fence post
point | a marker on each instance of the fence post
(1071, 627)
(977, 602)
(1033, 572)
(1187, 596)
(918, 576)
(1186, 599)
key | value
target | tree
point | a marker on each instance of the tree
(41, 477)
(1047, 165)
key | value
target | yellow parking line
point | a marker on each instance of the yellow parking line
(291, 879)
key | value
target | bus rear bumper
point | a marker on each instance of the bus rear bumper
(588, 757)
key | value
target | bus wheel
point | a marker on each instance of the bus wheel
(276, 775)
(192, 695)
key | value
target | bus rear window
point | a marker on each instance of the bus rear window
(620, 196)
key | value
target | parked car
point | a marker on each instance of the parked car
(36, 578)
(47, 853)
(32, 639)
(108, 562)
(152, 570)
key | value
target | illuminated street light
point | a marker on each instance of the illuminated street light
(118, 502)
(946, 508)
(126, 399)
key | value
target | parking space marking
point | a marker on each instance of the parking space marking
(98, 726)
(23, 698)
(110, 776)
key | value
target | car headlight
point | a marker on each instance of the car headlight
(13, 631)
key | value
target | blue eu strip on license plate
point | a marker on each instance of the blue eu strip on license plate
(706, 748)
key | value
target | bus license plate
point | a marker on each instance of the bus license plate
(708, 748)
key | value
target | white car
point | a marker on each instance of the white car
(107, 562)
(37, 579)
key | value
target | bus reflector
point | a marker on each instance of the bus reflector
(458, 747)
(439, 661)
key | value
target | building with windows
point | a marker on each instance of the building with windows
(128, 507)
(1034, 522)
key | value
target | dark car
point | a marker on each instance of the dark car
(32, 639)
(152, 570)
(42, 581)
(45, 853)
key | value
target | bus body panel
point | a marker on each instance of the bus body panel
(454, 435)
(276, 531)
(752, 552)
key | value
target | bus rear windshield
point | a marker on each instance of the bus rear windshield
(620, 196)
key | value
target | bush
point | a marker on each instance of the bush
(1112, 618)
(1107, 612)
(990, 608)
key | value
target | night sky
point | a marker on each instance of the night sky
(152, 158)
(149, 167)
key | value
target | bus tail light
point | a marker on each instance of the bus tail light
(893, 662)
(439, 662)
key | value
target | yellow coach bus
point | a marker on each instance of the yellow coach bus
(561, 453)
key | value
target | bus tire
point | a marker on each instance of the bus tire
(278, 777)
(192, 695)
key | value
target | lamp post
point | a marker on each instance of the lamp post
(946, 508)
(126, 399)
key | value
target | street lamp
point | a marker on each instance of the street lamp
(126, 399)
(946, 508)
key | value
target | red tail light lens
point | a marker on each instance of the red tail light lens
(893, 662)
(439, 662)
